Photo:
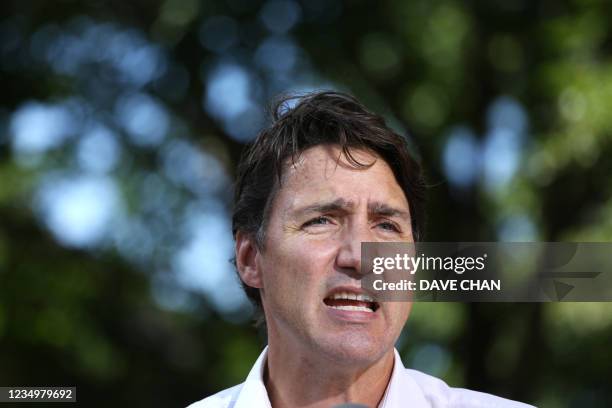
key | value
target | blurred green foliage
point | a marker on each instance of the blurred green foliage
(109, 317)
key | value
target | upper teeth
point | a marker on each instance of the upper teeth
(352, 296)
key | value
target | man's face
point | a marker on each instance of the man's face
(323, 211)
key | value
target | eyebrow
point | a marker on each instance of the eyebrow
(385, 210)
(339, 204)
(342, 205)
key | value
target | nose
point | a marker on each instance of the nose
(348, 259)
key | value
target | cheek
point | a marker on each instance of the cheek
(282, 271)
(296, 270)
(400, 312)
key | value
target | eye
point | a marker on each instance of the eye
(317, 221)
(389, 226)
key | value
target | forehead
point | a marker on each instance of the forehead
(324, 172)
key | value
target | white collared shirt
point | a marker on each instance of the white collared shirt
(407, 388)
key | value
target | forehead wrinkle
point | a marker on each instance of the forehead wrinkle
(305, 170)
(334, 157)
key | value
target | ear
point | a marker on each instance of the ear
(246, 260)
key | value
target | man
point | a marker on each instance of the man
(326, 176)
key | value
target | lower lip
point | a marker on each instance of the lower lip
(351, 316)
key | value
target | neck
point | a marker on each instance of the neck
(296, 378)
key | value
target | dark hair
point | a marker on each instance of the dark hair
(319, 118)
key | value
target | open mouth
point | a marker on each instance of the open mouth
(357, 302)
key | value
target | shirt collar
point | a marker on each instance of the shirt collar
(402, 390)
(253, 393)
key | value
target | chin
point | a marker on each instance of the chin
(354, 349)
